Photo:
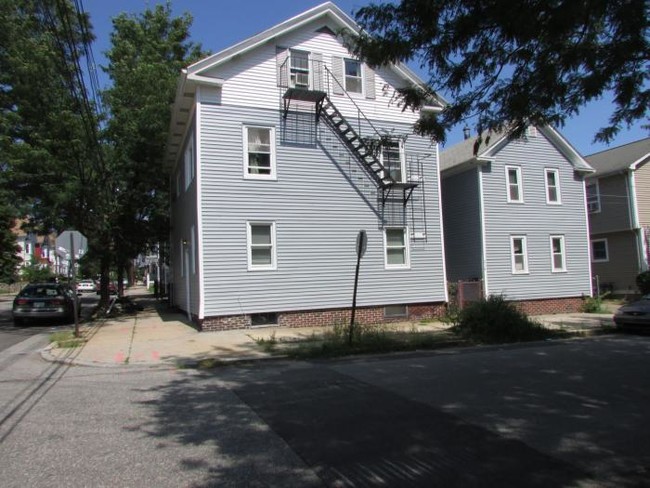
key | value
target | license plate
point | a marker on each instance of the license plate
(39, 304)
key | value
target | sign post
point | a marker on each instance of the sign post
(362, 242)
(75, 244)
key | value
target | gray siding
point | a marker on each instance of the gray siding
(537, 220)
(320, 201)
(183, 217)
(462, 224)
(614, 212)
(642, 185)
(622, 268)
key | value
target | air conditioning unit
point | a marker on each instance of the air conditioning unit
(300, 80)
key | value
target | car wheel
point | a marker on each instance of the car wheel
(18, 321)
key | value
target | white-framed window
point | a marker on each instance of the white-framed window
(514, 187)
(393, 158)
(396, 247)
(299, 69)
(353, 76)
(188, 160)
(593, 197)
(519, 254)
(552, 180)
(259, 152)
(599, 251)
(558, 254)
(261, 245)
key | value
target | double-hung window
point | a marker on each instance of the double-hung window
(599, 251)
(514, 187)
(261, 246)
(259, 152)
(552, 186)
(353, 77)
(519, 254)
(299, 69)
(396, 247)
(393, 159)
(558, 255)
(593, 197)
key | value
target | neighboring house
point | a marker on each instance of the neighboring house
(618, 196)
(282, 148)
(33, 248)
(515, 219)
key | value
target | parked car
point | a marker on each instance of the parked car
(635, 314)
(86, 286)
(45, 301)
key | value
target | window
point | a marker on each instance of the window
(552, 186)
(513, 182)
(396, 246)
(189, 161)
(353, 81)
(599, 251)
(393, 159)
(299, 69)
(593, 197)
(259, 157)
(391, 311)
(558, 262)
(519, 254)
(261, 245)
(264, 319)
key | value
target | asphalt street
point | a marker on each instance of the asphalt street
(571, 413)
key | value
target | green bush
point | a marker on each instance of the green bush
(643, 282)
(495, 320)
(594, 304)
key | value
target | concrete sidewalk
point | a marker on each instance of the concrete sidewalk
(158, 336)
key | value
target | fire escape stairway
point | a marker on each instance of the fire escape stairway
(366, 156)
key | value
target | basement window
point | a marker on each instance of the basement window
(393, 311)
(264, 319)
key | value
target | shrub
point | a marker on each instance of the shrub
(594, 304)
(643, 282)
(495, 320)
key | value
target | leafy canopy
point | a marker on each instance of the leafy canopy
(509, 62)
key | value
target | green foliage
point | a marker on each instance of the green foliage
(66, 339)
(643, 282)
(508, 63)
(594, 304)
(36, 272)
(495, 320)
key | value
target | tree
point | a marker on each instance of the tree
(147, 54)
(511, 62)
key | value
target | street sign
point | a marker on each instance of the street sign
(362, 243)
(72, 238)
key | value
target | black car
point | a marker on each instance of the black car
(45, 301)
(634, 315)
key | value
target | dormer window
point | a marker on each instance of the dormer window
(353, 80)
(299, 69)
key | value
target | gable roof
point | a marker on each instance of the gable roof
(621, 158)
(465, 153)
(195, 74)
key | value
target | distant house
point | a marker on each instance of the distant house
(282, 149)
(515, 219)
(34, 248)
(618, 198)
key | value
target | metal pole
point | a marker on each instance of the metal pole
(354, 295)
(74, 288)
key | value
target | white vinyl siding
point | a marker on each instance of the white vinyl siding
(261, 246)
(396, 246)
(519, 254)
(593, 197)
(259, 152)
(353, 76)
(514, 186)
(552, 180)
(599, 251)
(558, 254)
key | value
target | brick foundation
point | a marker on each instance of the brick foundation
(547, 306)
(318, 318)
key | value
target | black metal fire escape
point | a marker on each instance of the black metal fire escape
(366, 155)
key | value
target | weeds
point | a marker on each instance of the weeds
(267, 345)
(594, 304)
(66, 339)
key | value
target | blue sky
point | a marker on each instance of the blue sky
(218, 24)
